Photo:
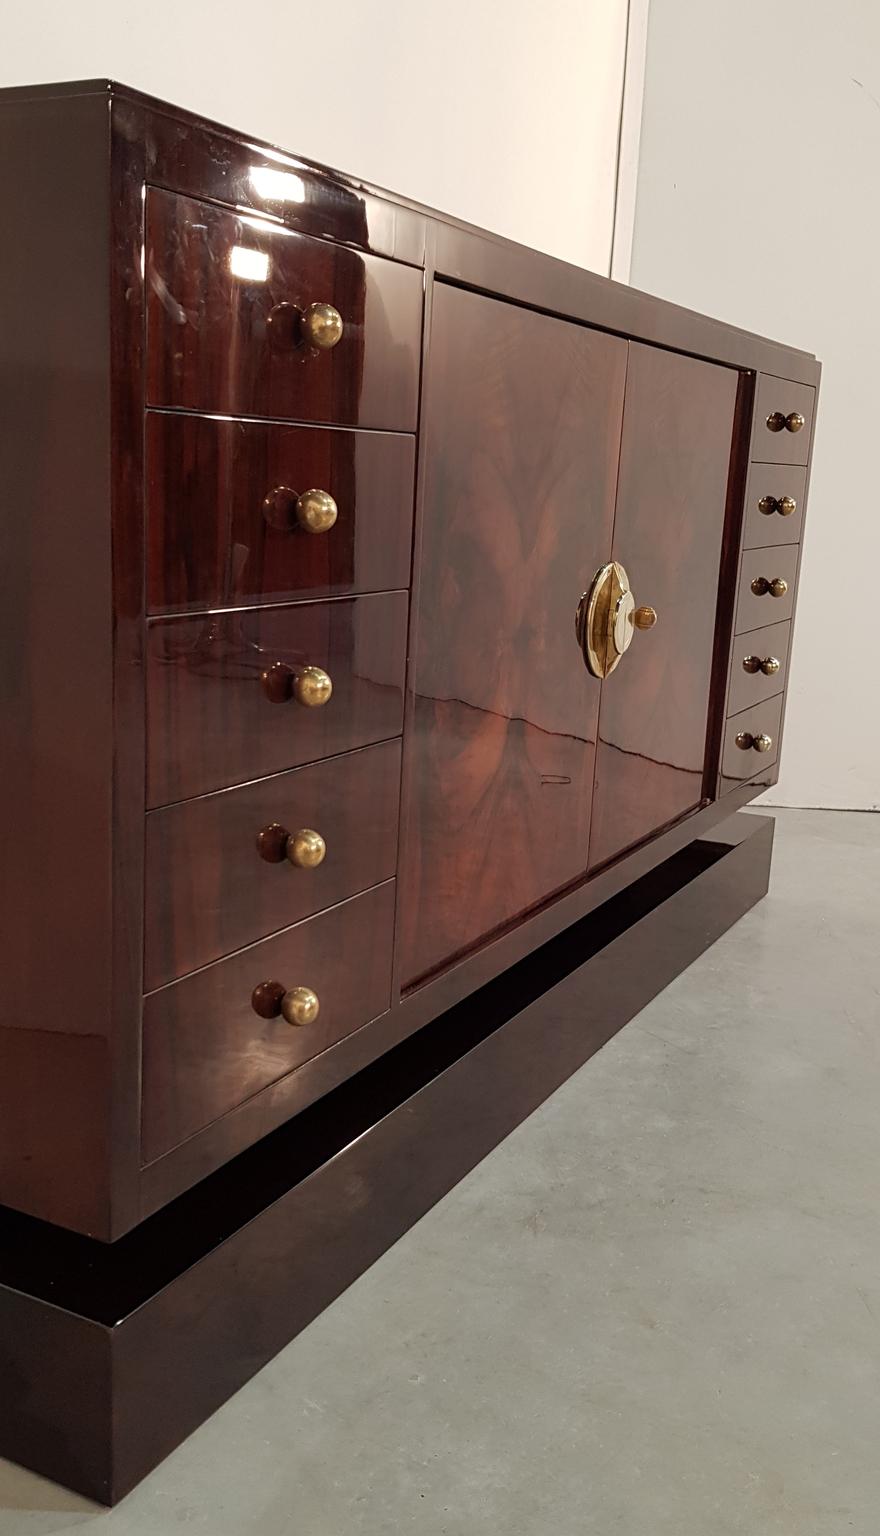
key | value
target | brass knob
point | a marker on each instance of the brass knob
(321, 326)
(769, 665)
(316, 511)
(784, 505)
(312, 687)
(749, 743)
(304, 848)
(776, 422)
(645, 618)
(794, 421)
(776, 588)
(300, 1006)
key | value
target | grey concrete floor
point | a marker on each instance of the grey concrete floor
(653, 1311)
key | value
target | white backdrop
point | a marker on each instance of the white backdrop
(503, 112)
(758, 200)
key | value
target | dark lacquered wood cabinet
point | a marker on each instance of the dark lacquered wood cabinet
(381, 598)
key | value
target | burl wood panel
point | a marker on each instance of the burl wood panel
(217, 341)
(206, 1050)
(210, 722)
(213, 544)
(523, 431)
(209, 890)
(669, 524)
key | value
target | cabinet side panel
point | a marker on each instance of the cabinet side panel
(55, 662)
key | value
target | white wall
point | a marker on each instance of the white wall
(503, 112)
(758, 200)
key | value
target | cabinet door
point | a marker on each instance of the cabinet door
(522, 416)
(669, 523)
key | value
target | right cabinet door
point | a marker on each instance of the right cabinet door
(668, 531)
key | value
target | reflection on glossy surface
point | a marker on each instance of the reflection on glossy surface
(522, 431)
(275, 186)
(209, 720)
(208, 332)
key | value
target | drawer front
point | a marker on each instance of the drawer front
(230, 521)
(759, 601)
(759, 667)
(780, 405)
(206, 1049)
(774, 505)
(740, 758)
(226, 869)
(222, 705)
(228, 301)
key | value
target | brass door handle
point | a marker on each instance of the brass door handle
(784, 505)
(311, 686)
(305, 848)
(607, 618)
(296, 1005)
(777, 421)
(769, 665)
(749, 743)
(776, 588)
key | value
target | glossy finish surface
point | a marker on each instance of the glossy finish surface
(210, 721)
(523, 426)
(784, 398)
(153, 1333)
(741, 763)
(224, 297)
(206, 1048)
(756, 604)
(209, 890)
(213, 542)
(773, 483)
(674, 468)
(752, 686)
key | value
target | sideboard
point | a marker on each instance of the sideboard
(383, 599)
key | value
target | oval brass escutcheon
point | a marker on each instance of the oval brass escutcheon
(607, 618)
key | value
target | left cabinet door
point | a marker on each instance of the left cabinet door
(522, 419)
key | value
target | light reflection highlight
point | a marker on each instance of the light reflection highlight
(277, 186)
(246, 263)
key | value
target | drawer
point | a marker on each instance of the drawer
(230, 521)
(774, 505)
(740, 758)
(759, 666)
(206, 1049)
(781, 405)
(226, 869)
(227, 693)
(229, 301)
(759, 603)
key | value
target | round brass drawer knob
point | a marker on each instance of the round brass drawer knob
(321, 326)
(749, 743)
(316, 511)
(784, 505)
(776, 422)
(794, 421)
(300, 1006)
(312, 687)
(645, 618)
(776, 588)
(769, 665)
(306, 848)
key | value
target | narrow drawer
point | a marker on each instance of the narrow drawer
(766, 586)
(233, 517)
(759, 667)
(232, 697)
(774, 505)
(740, 758)
(205, 1047)
(227, 869)
(229, 304)
(783, 420)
